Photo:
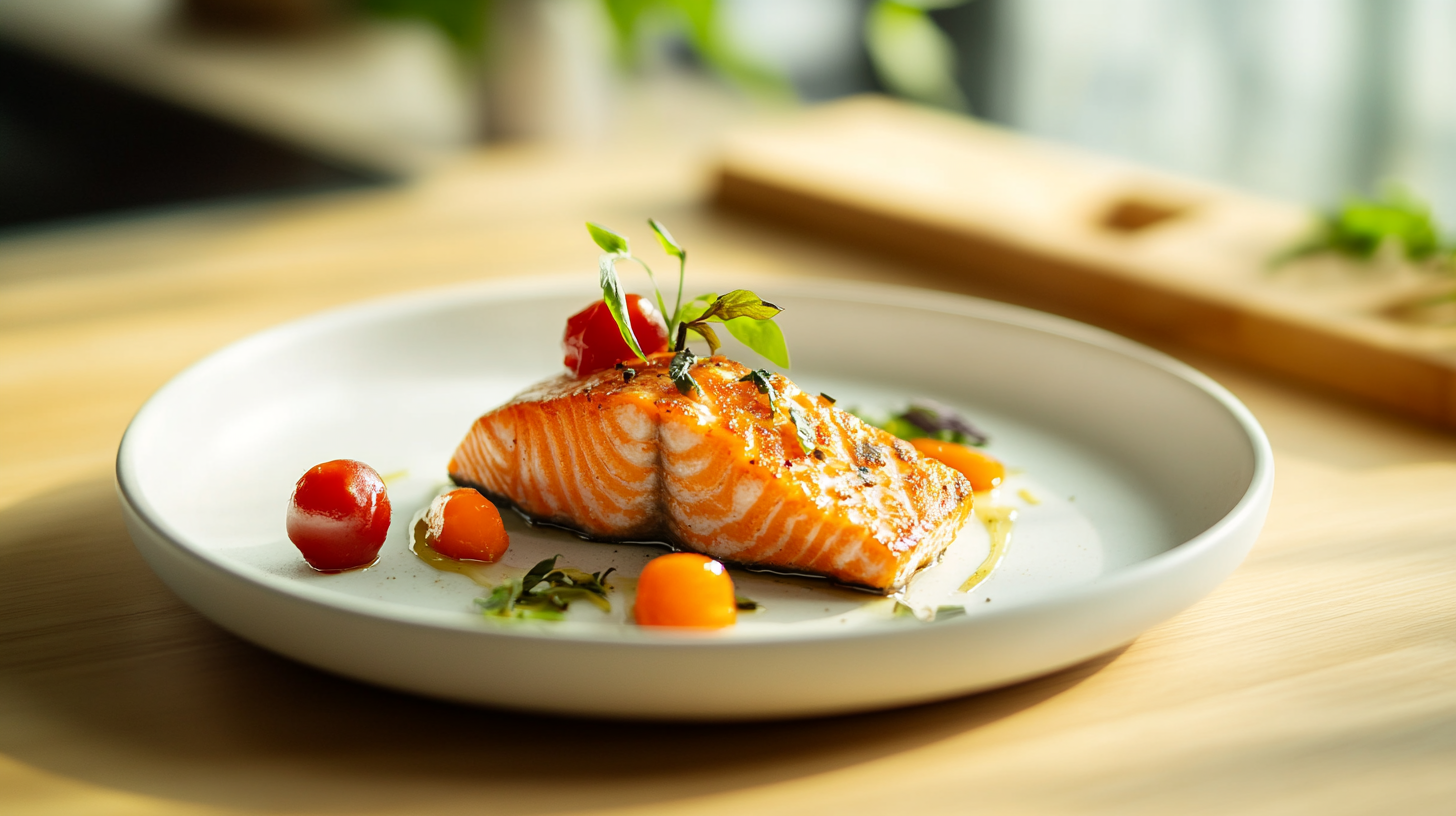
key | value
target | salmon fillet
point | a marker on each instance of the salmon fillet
(622, 456)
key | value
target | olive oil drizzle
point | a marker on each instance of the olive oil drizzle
(998, 520)
(483, 573)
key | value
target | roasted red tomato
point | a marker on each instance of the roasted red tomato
(593, 342)
(465, 526)
(339, 515)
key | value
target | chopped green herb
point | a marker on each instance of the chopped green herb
(764, 381)
(802, 427)
(681, 372)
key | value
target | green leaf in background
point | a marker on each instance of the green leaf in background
(681, 372)
(701, 25)
(616, 301)
(1360, 227)
(911, 55)
(763, 336)
(609, 241)
(463, 22)
(664, 237)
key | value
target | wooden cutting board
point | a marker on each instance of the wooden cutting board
(1105, 241)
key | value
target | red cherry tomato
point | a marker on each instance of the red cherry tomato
(594, 343)
(465, 526)
(685, 589)
(339, 515)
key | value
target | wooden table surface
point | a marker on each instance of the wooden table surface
(1320, 678)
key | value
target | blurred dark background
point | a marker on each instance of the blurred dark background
(114, 107)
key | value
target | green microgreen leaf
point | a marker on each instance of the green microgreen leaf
(609, 241)
(681, 372)
(617, 301)
(762, 336)
(706, 332)
(664, 237)
(693, 310)
(740, 303)
(746, 604)
(803, 428)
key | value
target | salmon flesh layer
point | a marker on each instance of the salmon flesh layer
(622, 456)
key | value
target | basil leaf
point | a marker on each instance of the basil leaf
(741, 303)
(617, 301)
(669, 246)
(746, 604)
(762, 336)
(681, 372)
(706, 332)
(802, 428)
(609, 241)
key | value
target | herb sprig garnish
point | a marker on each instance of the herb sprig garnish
(1360, 227)
(928, 419)
(545, 592)
(745, 315)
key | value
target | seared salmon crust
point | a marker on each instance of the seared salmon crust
(620, 455)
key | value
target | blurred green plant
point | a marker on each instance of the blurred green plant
(911, 55)
(1359, 228)
(463, 22)
(700, 23)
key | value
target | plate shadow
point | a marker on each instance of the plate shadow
(108, 678)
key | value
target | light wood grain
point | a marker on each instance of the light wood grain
(1321, 678)
(1035, 219)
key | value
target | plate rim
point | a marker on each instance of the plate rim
(1253, 501)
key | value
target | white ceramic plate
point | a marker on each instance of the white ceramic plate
(1138, 484)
